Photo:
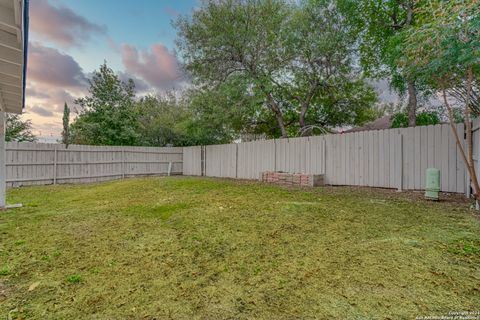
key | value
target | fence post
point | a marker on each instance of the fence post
(55, 165)
(204, 172)
(400, 164)
(275, 155)
(123, 163)
(236, 161)
(201, 161)
(324, 151)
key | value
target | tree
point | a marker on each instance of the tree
(295, 59)
(444, 51)
(228, 38)
(320, 78)
(111, 114)
(17, 129)
(377, 24)
(107, 115)
(66, 125)
(160, 120)
(220, 114)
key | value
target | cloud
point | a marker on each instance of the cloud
(32, 92)
(140, 85)
(61, 24)
(52, 102)
(171, 11)
(46, 110)
(158, 66)
(52, 67)
(47, 131)
(113, 44)
(59, 97)
(53, 78)
(41, 111)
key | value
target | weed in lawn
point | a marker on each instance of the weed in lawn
(74, 278)
(471, 248)
(467, 247)
(56, 254)
(95, 270)
(4, 271)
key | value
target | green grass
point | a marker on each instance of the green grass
(74, 278)
(191, 248)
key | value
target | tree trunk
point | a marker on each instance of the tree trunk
(468, 125)
(305, 104)
(278, 115)
(281, 123)
(468, 160)
(412, 104)
(301, 121)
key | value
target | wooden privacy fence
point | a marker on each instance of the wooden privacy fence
(392, 158)
(36, 163)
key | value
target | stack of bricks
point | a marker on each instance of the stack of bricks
(292, 179)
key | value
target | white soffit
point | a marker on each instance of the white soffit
(13, 46)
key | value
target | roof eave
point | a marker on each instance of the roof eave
(25, 48)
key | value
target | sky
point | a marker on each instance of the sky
(69, 39)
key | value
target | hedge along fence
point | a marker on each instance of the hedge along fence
(39, 164)
(391, 158)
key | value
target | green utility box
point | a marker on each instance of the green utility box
(432, 185)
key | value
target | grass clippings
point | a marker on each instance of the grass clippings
(193, 248)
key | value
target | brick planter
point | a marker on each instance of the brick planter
(293, 179)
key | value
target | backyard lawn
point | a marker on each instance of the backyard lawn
(183, 248)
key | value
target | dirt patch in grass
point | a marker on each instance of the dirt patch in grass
(186, 248)
(418, 196)
(4, 291)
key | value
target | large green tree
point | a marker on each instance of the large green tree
(17, 129)
(238, 38)
(444, 51)
(377, 24)
(321, 80)
(161, 120)
(296, 58)
(220, 114)
(107, 114)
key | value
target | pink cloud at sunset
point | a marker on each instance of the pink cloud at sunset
(49, 66)
(53, 78)
(61, 25)
(157, 66)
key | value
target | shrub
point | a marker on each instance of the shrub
(425, 118)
